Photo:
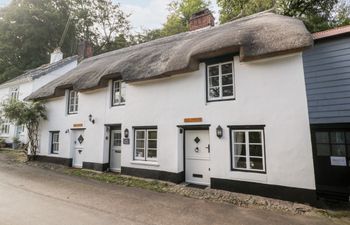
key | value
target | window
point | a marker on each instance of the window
(118, 93)
(248, 150)
(5, 126)
(146, 144)
(220, 81)
(332, 143)
(55, 138)
(73, 102)
(14, 93)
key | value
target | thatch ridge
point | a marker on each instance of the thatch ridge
(253, 37)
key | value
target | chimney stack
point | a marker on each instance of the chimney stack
(202, 19)
(85, 50)
(56, 55)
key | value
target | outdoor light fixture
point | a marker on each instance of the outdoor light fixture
(91, 119)
(67, 131)
(126, 133)
(219, 132)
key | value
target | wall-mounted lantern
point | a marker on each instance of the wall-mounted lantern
(126, 133)
(67, 131)
(92, 120)
(219, 132)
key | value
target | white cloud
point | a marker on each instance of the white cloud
(152, 14)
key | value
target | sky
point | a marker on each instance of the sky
(146, 14)
(150, 14)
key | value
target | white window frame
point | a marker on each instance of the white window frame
(14, 93)
(55, 143)
(247, 156)
(145, 147)
(5, 127)
(220, 75)
(73, 100)
(118, 93)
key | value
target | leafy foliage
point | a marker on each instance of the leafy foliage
(31, 29)
(317, 14)
(28, 114)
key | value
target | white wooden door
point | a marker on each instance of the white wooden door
(78, 148)
(115, 153)
(197, 157)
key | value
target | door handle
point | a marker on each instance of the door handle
(208, 148)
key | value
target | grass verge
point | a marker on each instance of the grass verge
(15, 155)
(121, 180)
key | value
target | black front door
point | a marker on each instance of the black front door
(331, 150)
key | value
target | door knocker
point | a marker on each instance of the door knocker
(196, 150)
(80, 151)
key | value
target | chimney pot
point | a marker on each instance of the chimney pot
(56, 55)
(202, 19)
(85, 50)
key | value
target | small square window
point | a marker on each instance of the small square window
(248, 150)
(220, 83)
(146, 144)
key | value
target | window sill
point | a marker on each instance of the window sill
(146, 163)
(248, 171)
(220, 100)
(119, 105)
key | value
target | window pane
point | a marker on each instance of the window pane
(239, 137)
(240, 162)
(323, 150)
(213, 71)
(255, 150)
(240, 149)
(214, 81)
(256, 163)
(227, 91)
(152, 153)
(255, 137)
(322, 137)
(140, 153)
(226, 68)
(214, 92)
(152, 134)
(152, 144)
(337, 137)
(140, 135)
(338, 150)
(140, 144)
(227, 80)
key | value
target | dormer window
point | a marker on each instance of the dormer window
(73, 100)
(118, 93)
(220, 81)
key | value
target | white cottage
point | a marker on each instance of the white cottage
(220, 106)
(23, 85)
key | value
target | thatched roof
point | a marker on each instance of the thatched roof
(254, 37)
(40, 71)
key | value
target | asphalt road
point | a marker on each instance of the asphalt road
(34, 196)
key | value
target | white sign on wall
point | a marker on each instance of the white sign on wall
(338, 161)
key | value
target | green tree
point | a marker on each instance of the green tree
(180, 14)
(28, 114)
(316, 14)
(101, 22)
(29, 31)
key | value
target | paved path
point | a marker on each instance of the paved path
(34, 196)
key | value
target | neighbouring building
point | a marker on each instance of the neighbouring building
(327, 74)
(23, 85)
(220, 106)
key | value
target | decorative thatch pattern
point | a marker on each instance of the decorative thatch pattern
(257, 36)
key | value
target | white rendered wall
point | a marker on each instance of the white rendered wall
(26, 87)
(269, 92)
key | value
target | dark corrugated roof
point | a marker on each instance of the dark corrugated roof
(257, 36)
(42, 70)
